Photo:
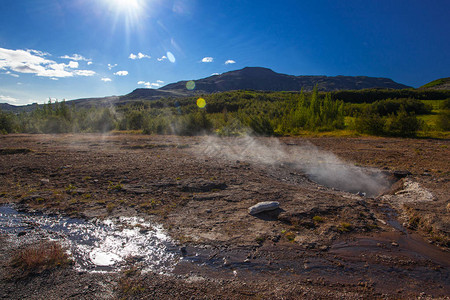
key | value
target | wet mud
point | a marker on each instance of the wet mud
(357, 217)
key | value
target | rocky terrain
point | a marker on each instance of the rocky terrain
(357, 217)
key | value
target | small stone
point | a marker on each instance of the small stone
(394, 244)
(323, 248)
(263, 206)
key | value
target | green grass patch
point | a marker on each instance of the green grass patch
(435, 104)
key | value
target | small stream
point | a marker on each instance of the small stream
(98, 245)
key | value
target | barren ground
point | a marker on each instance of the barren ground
(321, 243)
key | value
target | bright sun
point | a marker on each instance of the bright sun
(132, 9)
(125, 5)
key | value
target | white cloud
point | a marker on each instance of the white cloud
(140, 55)
(230, 61)
(54, 78)
(121, 73)
(159, 81)
(162, 58)
(73, 65)
(8, 98)
(207, 59)
(75, 57)
(34, 62)
(106, 79)
(150, 84)
(89, 63)
(110, 66)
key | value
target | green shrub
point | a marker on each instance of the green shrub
(370, 124)
(403, 124)
(443, 121)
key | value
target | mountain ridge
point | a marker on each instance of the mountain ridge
(248, 78)
(265, 79)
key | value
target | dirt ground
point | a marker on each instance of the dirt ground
(322, 242)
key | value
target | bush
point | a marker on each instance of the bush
(6, 122)
(40, 257)
(196, 123)
(403, 124)
(370, 124)
(443, 121)
(390, 106)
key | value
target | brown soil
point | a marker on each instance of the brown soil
(321, 243)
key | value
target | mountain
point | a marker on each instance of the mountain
(249, 78)
(16, 109)
(256, 78)
(438, 84)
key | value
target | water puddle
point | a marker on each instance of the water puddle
(96, 245)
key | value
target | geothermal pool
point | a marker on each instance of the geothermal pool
(97, 245)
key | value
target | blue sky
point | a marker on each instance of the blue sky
(68, 49)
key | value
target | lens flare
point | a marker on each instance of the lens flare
(201, 102)
(190, 85)
(170, 57)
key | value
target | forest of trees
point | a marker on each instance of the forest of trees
(376, 112)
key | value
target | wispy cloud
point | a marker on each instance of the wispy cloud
(162, 58)
(10, 74)
(110, 66)
(160, 81)
(207, 59)
(121, 73)
(140, 55)
(75, 57)
(89, 63)
(230, 61)
(84, 73)
(8, 98)
(35, 62)
(106, 79)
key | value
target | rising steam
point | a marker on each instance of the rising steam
(320, 166)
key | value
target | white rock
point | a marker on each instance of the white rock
(263, 206)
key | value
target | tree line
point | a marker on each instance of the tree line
(238, 112)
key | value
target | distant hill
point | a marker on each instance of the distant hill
(249, 78)
(15, 109)
(438, 84)
(263, 79)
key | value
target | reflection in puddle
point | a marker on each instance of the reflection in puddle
(96, 245)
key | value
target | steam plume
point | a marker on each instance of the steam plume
(320, 166)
